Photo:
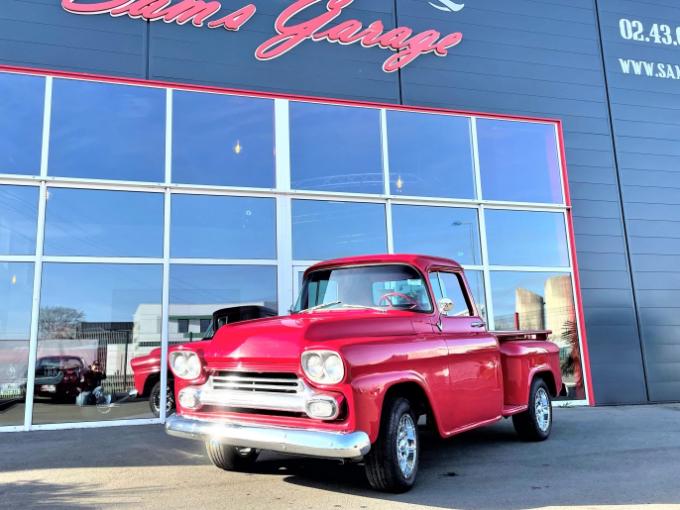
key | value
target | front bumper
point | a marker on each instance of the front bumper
(315, 443)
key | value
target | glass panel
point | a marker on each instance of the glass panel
(196, 292)
(389, 287)
(92, 319)
(223, 140)
(223, 227)
(335, 148)
(16, 296)
(450, 287)
(519, 161)
(324, 230)
(442, 231)
(104, 223)
(107, 131)
(18, 219)
(525, 301)
(22, 100)
(475, 281)
(526, 238)
(430, 155)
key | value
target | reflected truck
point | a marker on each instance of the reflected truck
(147, 369)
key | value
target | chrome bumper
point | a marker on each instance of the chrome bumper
(315, 443)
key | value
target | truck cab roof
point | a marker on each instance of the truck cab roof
(422, 262)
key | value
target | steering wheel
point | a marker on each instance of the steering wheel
(387, 299)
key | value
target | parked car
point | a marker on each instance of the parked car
(147, 369)
(60, 377)
(373, 344)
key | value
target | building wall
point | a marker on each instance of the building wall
(646, 129)
(527, 57)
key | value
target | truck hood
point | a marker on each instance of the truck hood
(282, 339)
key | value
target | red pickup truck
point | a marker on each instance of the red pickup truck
(373, 345)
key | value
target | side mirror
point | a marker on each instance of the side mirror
(445, 306)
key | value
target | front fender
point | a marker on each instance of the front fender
(369, 396)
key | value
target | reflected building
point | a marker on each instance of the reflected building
(529, 308)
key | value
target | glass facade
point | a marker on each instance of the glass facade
(150, 209)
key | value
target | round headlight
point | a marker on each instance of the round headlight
(315, 366)
(334, 368)
(185, 365)
(323, 367)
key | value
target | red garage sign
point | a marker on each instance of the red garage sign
(407, 44)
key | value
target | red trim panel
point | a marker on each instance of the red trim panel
(270, 95)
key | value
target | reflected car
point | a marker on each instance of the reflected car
(59, 377)
(147, 369)
(12, 380)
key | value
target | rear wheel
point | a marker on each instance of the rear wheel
(231, 458)
(535, 423)
(392, 463)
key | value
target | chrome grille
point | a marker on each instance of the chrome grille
(256, 382)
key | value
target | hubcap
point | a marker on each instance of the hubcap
(542, 409)
(169, 402)
(407, 446)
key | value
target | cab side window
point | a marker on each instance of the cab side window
(450, 285)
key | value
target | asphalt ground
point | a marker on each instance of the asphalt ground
(600, 458)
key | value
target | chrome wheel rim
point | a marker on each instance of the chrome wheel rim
(407, 445)
(542, 409)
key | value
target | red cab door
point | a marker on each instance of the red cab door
(475, 373)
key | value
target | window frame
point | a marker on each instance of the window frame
(285, 263)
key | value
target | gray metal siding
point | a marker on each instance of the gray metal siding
(542, 59)
(526, 57)
(40, 34)
(646, 127)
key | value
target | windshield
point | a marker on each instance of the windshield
(381, 287)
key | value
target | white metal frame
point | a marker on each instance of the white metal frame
(285, 263)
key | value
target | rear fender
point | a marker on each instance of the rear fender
(522, 361)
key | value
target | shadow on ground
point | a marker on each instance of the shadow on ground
(595, 457)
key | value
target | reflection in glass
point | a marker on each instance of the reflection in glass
(16, 296)
(107, 131)
(324, 230)
(441, 231)
(528, 301)
(430, 155)
(94, 318)
(223, 140)
(526, 238)
(104, 223)
(196, 292)
(18, 219)
(475, 281)
(22, 99)
(335, 148)
(519, 161)
(223, 227)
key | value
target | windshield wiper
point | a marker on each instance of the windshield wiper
(319, 307)
(363, 307)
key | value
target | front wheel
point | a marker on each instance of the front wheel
(392, 463)
(231, 458)
(155, 399)
(535, 423)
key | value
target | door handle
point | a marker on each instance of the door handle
(477, 325)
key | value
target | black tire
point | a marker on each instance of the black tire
(535, 423)
(231, 458)
(155, 400)
(383, 461)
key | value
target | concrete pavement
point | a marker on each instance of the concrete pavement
(611, 457)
